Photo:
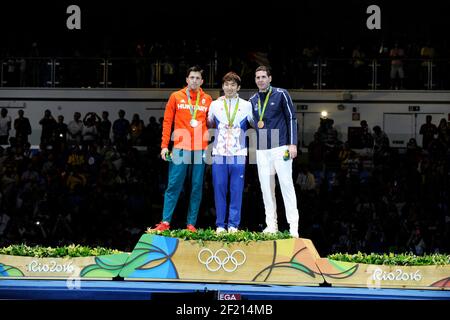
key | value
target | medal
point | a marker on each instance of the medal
(261, 112)
(193, 123)
(230, 117)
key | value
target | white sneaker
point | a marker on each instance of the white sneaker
(220, 230)
(269, 230)
(232, 229)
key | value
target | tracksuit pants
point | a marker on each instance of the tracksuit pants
(184, 162)
(271, 162)
(228, 175)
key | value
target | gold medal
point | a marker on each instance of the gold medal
(260, 124)
(227, 112)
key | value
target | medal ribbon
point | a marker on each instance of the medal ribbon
(261, 114)
(193, 112)
(228, 111)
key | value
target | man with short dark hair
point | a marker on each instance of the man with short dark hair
(187, 110)
(276, 130)
(230, 115)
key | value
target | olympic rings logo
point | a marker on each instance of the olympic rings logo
(222, 259)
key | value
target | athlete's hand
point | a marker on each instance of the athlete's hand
(293, 151)
(163, 153)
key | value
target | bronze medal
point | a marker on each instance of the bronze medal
(261, 113)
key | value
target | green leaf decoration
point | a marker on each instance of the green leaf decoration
(58, 252)
(100, 261)
(401, 259)
(89, 269)
(209, 234)
(105, 266)
(153, 264)
(10, 271)
(134, 263)
(96, 272)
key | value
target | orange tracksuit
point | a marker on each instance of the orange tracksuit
(186, 137)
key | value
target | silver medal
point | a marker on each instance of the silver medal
(193, 123)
